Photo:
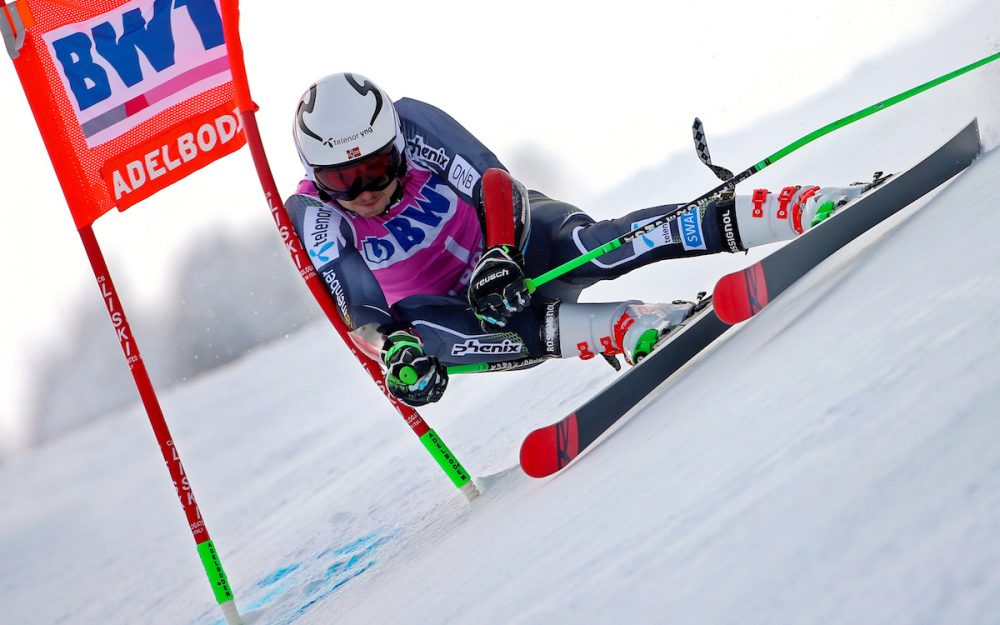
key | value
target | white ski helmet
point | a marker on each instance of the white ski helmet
(348, 136)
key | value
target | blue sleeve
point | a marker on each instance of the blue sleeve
(434, 140)
(327, 238)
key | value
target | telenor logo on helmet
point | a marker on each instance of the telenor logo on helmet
(333, 141)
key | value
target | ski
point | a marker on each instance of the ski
(737, 297)
(549, 449)
(742, 294)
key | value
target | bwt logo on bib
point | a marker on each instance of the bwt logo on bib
(414, 229)
(125, 66)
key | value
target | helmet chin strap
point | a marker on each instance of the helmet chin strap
(397, 195)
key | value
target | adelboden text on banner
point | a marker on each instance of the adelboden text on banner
(129, 96)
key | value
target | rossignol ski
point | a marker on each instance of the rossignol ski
(738, 296)
(742, 294)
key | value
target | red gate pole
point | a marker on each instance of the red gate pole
(206, 548)
(432, 442)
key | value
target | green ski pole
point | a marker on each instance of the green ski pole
(730, 185)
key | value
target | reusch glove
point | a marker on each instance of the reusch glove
(412, 376)
(497, 289)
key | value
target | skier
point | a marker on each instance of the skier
(424, 240)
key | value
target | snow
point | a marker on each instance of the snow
(834, 460)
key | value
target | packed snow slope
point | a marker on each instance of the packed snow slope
(834, 460)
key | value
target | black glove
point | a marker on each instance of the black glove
(497, 289)
(412, 376)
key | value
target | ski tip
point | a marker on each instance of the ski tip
(548, 449)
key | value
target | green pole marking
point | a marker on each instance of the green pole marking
(447, 460)
(216, 575)
(473, 368)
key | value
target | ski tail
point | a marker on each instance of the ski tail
(548, 449)
(740, 295)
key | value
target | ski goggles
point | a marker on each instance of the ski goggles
(374, 172)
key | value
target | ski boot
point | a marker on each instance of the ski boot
(643, 326)
(767, 217)
(826, 201)
(632, 329)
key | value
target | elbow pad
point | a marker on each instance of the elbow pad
(506, 210)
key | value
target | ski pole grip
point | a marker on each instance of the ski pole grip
(408, 375)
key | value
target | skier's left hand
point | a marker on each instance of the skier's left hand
(497, 289)
(412, 376)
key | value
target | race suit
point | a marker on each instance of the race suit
(410, 266)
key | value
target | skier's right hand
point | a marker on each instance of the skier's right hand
(412, 376)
